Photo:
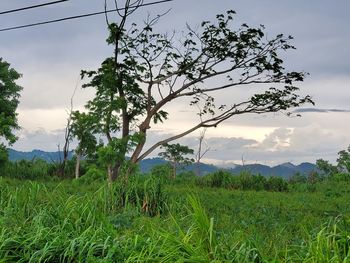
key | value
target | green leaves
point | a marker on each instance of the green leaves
(148, 70)
(274, 100)
(84, 128)
(176, 153)
(9, 100)
(344, 160)
(160, 116)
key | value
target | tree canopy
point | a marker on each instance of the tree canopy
(176, 154)
(150, 70)
(9, 99)
(344, 160)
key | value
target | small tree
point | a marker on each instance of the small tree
(201, 151)
(344, 160)
(176, 155)
(9, 100)
(326, 167)
(82, 129)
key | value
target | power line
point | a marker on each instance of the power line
(31, 7)
(77, 16)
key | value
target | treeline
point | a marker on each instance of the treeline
(38, 169)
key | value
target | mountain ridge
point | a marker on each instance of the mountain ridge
(285, 170)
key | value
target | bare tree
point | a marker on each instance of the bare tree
(65, 150)
(201, 151)
(67, 137)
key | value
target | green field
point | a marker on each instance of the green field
(146, 220)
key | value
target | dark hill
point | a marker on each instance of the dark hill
(285, 170)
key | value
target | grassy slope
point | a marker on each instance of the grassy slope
(70, 222)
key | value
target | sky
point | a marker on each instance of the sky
(50, 58)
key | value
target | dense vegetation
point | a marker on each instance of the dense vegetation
(156, 218)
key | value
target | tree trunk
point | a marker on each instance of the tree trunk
(77, 166)
(110, 174)
(174, 170)
(138, 149)
(198, 170)
(114, 172)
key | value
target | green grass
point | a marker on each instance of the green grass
(77, 221)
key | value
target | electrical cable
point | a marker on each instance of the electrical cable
(31, 7)
(77, 16)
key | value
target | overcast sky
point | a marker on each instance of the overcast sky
(50, 58)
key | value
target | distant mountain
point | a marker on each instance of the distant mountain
(253, 168)
(203, 168)
(147, 164)
(47, 156)
(285, 170)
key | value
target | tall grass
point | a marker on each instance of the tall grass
(142, 220)
(244, 181)
(197, 243)
(330, 244)
(47, 225)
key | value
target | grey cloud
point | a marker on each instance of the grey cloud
(40, 139)
(51, 57)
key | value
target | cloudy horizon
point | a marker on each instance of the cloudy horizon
(51, 57)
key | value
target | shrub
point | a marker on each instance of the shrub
(161, 171)
(248, 181)
(185, 177)
(221, 179)
(341, 177)
(297, 178)
(93, 174)
(276, 184)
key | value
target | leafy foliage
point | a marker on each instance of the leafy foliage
(326, 167)
(9, 99)
(82, 128)
(176, 155)
(339, 172)
(148, 70)
(344, 160)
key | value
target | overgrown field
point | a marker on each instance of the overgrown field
(145, 219)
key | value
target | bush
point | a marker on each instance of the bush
(161, 171)
(187, 177)
(221, 179)
(276, 184)
(93, 174)
(248, 181)
(297, 178)
(341, 177)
